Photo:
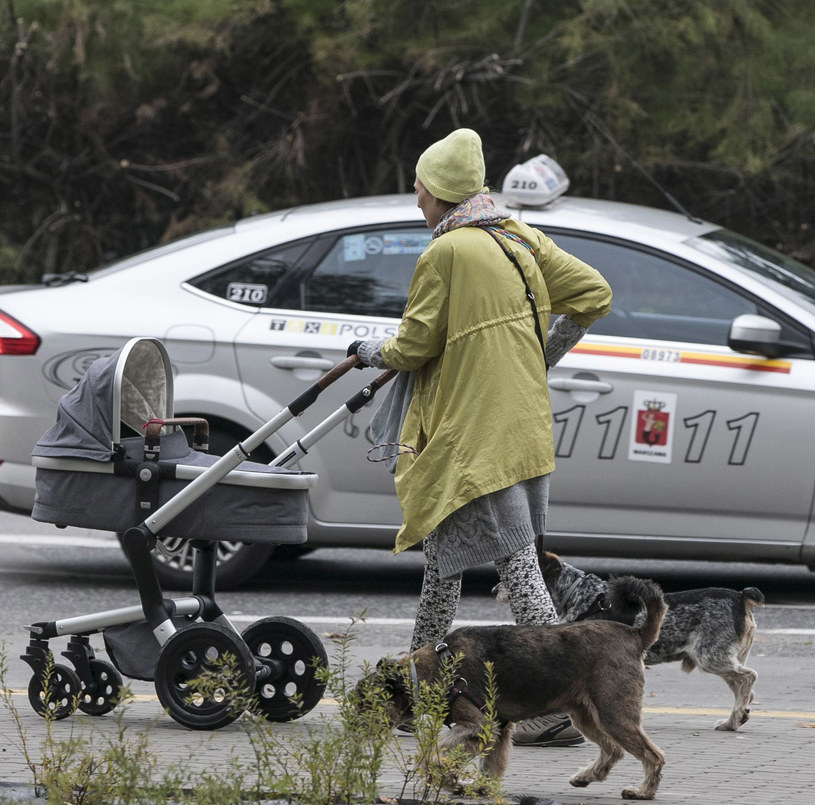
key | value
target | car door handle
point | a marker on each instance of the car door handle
(300, 362)
(579, 384)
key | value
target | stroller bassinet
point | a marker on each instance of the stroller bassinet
(92, 474)
(88, 473)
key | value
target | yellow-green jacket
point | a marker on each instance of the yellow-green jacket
(479, 415)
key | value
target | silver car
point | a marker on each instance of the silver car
(680, 419)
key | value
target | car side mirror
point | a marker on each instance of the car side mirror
(756, 335)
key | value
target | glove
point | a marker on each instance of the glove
(562, 336)
(352, 350)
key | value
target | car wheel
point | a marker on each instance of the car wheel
(237, 561)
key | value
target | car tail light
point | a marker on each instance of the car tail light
(16, 338)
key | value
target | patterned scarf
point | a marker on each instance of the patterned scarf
(477, 210)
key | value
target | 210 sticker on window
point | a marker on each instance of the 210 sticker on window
(246, 293)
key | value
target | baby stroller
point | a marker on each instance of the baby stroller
(118, 460)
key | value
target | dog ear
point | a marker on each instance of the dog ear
(392, 680)
(390, 674)
(550, 563)
(385, 678)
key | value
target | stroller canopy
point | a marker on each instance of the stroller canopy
(132, 385)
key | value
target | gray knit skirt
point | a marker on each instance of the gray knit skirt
(493, 526)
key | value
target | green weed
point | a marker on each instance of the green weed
(337, 756)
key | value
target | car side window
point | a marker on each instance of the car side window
(252, 280)
(365, 273)
(657, 298)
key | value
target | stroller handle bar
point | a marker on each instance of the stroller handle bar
(294, 452)
(164, 514)
(298, 405)
(312, 392)
(363, 396)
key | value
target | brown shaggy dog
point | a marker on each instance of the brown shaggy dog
(592, 670)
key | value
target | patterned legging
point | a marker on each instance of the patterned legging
(529, 599)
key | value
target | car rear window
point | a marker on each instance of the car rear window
(253, 280)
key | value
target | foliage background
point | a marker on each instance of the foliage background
(124, 123)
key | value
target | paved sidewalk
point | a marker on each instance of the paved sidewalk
(768, 762)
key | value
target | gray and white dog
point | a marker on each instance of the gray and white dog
(710, 628)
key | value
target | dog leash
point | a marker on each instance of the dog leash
(414, 679)
(567, 596)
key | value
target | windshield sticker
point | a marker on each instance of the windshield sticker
(652, 427)
(676, 356)
(374, 245)
(353, 248)
(247, 293)
(405, 243)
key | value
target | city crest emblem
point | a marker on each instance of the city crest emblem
(652, 426)
(652, 423)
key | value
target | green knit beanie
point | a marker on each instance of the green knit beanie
(452, 169)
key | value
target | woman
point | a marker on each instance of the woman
(476, 489)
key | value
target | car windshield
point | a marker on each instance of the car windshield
(763, 261)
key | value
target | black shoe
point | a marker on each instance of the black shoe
(556, 730)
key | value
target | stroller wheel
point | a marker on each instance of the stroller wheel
(290, 654)
(205, 676)
(57, 696)
(103, 692)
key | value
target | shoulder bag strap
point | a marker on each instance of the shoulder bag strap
(493, 232)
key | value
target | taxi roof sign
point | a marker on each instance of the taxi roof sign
(535, 183)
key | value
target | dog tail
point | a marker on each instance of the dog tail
(650, 594)
(751, 597)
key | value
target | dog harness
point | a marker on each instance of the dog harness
(459, 686)
(599, 604)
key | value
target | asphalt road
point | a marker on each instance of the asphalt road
(46, 573)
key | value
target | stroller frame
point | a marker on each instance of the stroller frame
(276, 662)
